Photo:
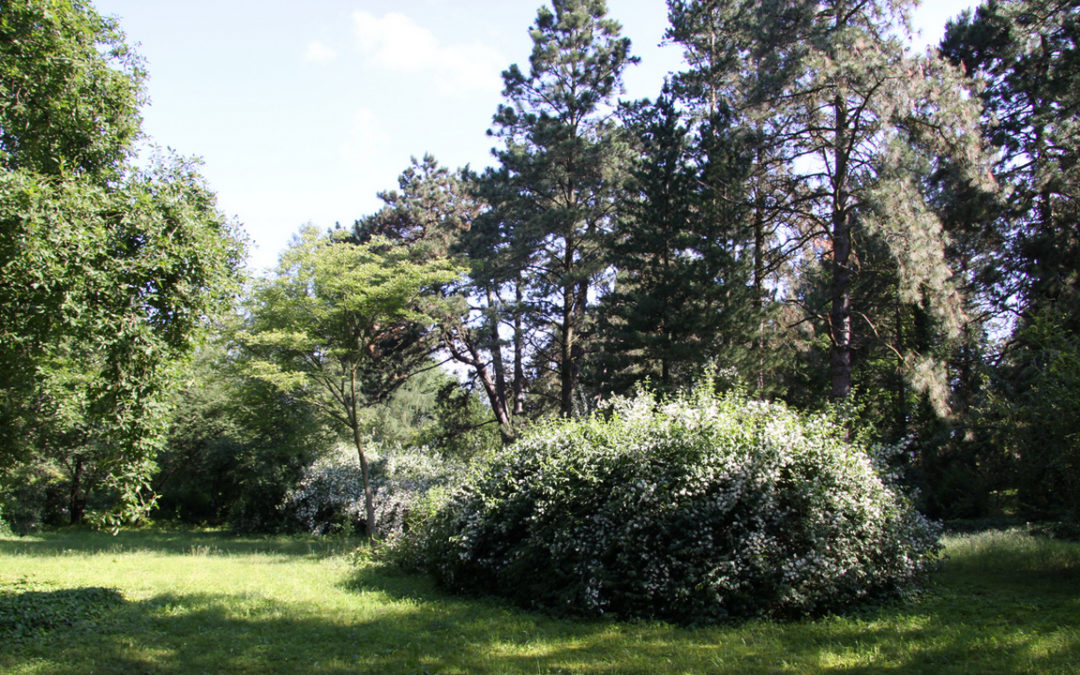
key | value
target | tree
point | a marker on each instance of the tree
(435, 213)
(562, 157)
(345, 325)
(853, 122)
(106, 291)
(682, 289)
(1025, 57)
(108, 274)
(236, 444)
(70, 90)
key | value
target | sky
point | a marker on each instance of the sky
(303, 111)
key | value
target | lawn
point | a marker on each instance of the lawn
(165, 601)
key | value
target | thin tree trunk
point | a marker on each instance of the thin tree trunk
(840, 311)
(369, 496)
(901, 386)
(519, 353)
(567, 372)
(759, 272)
(492, 388)
(566, 354)
(76, 507)
(496, 351)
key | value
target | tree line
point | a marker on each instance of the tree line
(810, 212)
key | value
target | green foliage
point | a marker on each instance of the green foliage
(107, 273)
(29, 609)
(561, 169)
(1040, 424)
(108, 290)
(70, 89)
(682, 294)
(33, 496)
(462, 427)
(1025, 57)
(692, 509)
(236, 446)
(848, 126)
(345, 325)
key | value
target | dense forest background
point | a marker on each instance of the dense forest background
(810, 213)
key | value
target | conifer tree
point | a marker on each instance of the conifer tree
(1025, 54)
(562, 157)
(681, 291)
(850, 122)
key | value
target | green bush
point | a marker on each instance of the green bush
(692, 509)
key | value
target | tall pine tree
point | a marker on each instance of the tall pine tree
(561, 159)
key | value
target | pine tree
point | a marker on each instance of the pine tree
(849, 122)
(1025, 54)
(561, 159)
(682, 288)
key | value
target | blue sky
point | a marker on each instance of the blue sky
(302, 112)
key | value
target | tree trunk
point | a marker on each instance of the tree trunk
(759, 271)
(519, 353)
(354, 422)
(76, 506)
(369, 496)
(566, 354)
(840, 311)
(901, 385)
(496, 351)
(567, 369)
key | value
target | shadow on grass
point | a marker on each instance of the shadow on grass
(27, 611)
(429, 633)
(1033, 627)
(401, 623)
(175, 541)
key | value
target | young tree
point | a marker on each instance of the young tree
(561, 161)
(345, 325)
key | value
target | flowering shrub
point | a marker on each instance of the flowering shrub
(330, 494)
(692, 509)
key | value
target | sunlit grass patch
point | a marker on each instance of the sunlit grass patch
(206, 602)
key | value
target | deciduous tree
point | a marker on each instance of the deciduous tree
(345, 325)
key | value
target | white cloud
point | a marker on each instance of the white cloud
(397, 43)
(317, 52)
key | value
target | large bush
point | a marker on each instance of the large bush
(691, 509)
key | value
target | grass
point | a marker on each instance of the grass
(203, 602)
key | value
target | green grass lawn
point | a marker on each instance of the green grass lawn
(204, 602)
